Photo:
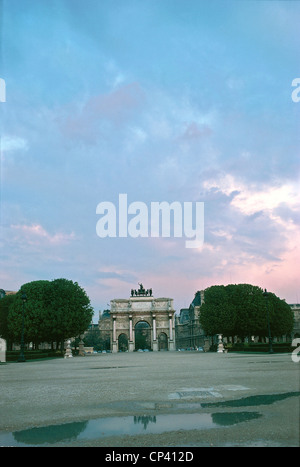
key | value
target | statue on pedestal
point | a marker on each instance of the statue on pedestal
(220, 344)
(141, 292)
(68, 352)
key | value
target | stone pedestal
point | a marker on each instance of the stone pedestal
(81, 352)
(155, 346)
(2, 351)
(206, 346)
(130, 346)
(171, 345)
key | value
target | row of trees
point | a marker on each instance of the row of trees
(54, 311)
(59, 309)
(242, 310)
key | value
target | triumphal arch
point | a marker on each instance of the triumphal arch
(142, 322)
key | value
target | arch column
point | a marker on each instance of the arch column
(114, 336)
(131, 340)
(171, 333)
(154, 337)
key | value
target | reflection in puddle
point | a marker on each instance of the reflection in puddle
(145, 420)
(262, 399)
(122, 426)
(50, 434)
(227, 418)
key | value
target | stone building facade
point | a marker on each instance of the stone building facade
(296, 311)
(104, 326)
(141, 322)
(189, 334)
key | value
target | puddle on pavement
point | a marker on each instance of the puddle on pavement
(145, 424)
(122, 426)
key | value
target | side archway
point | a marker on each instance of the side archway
(162, 341)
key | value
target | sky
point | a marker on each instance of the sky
(162, 100)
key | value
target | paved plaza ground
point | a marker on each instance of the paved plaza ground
(152, 399)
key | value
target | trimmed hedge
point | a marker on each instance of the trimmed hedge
(282, 347)
(13, 355)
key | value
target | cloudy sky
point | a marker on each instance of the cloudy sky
(162, 100)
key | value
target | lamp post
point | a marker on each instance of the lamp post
(22, 356)
(266, 294)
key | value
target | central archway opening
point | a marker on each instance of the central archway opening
(142, 336)
(123, 343)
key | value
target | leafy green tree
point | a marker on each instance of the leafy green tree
(69, 312)
(5, 304)
(249, 306)
(281, 315)
(242, 310)
(34, 325)
(54, 311)
(217, 315)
